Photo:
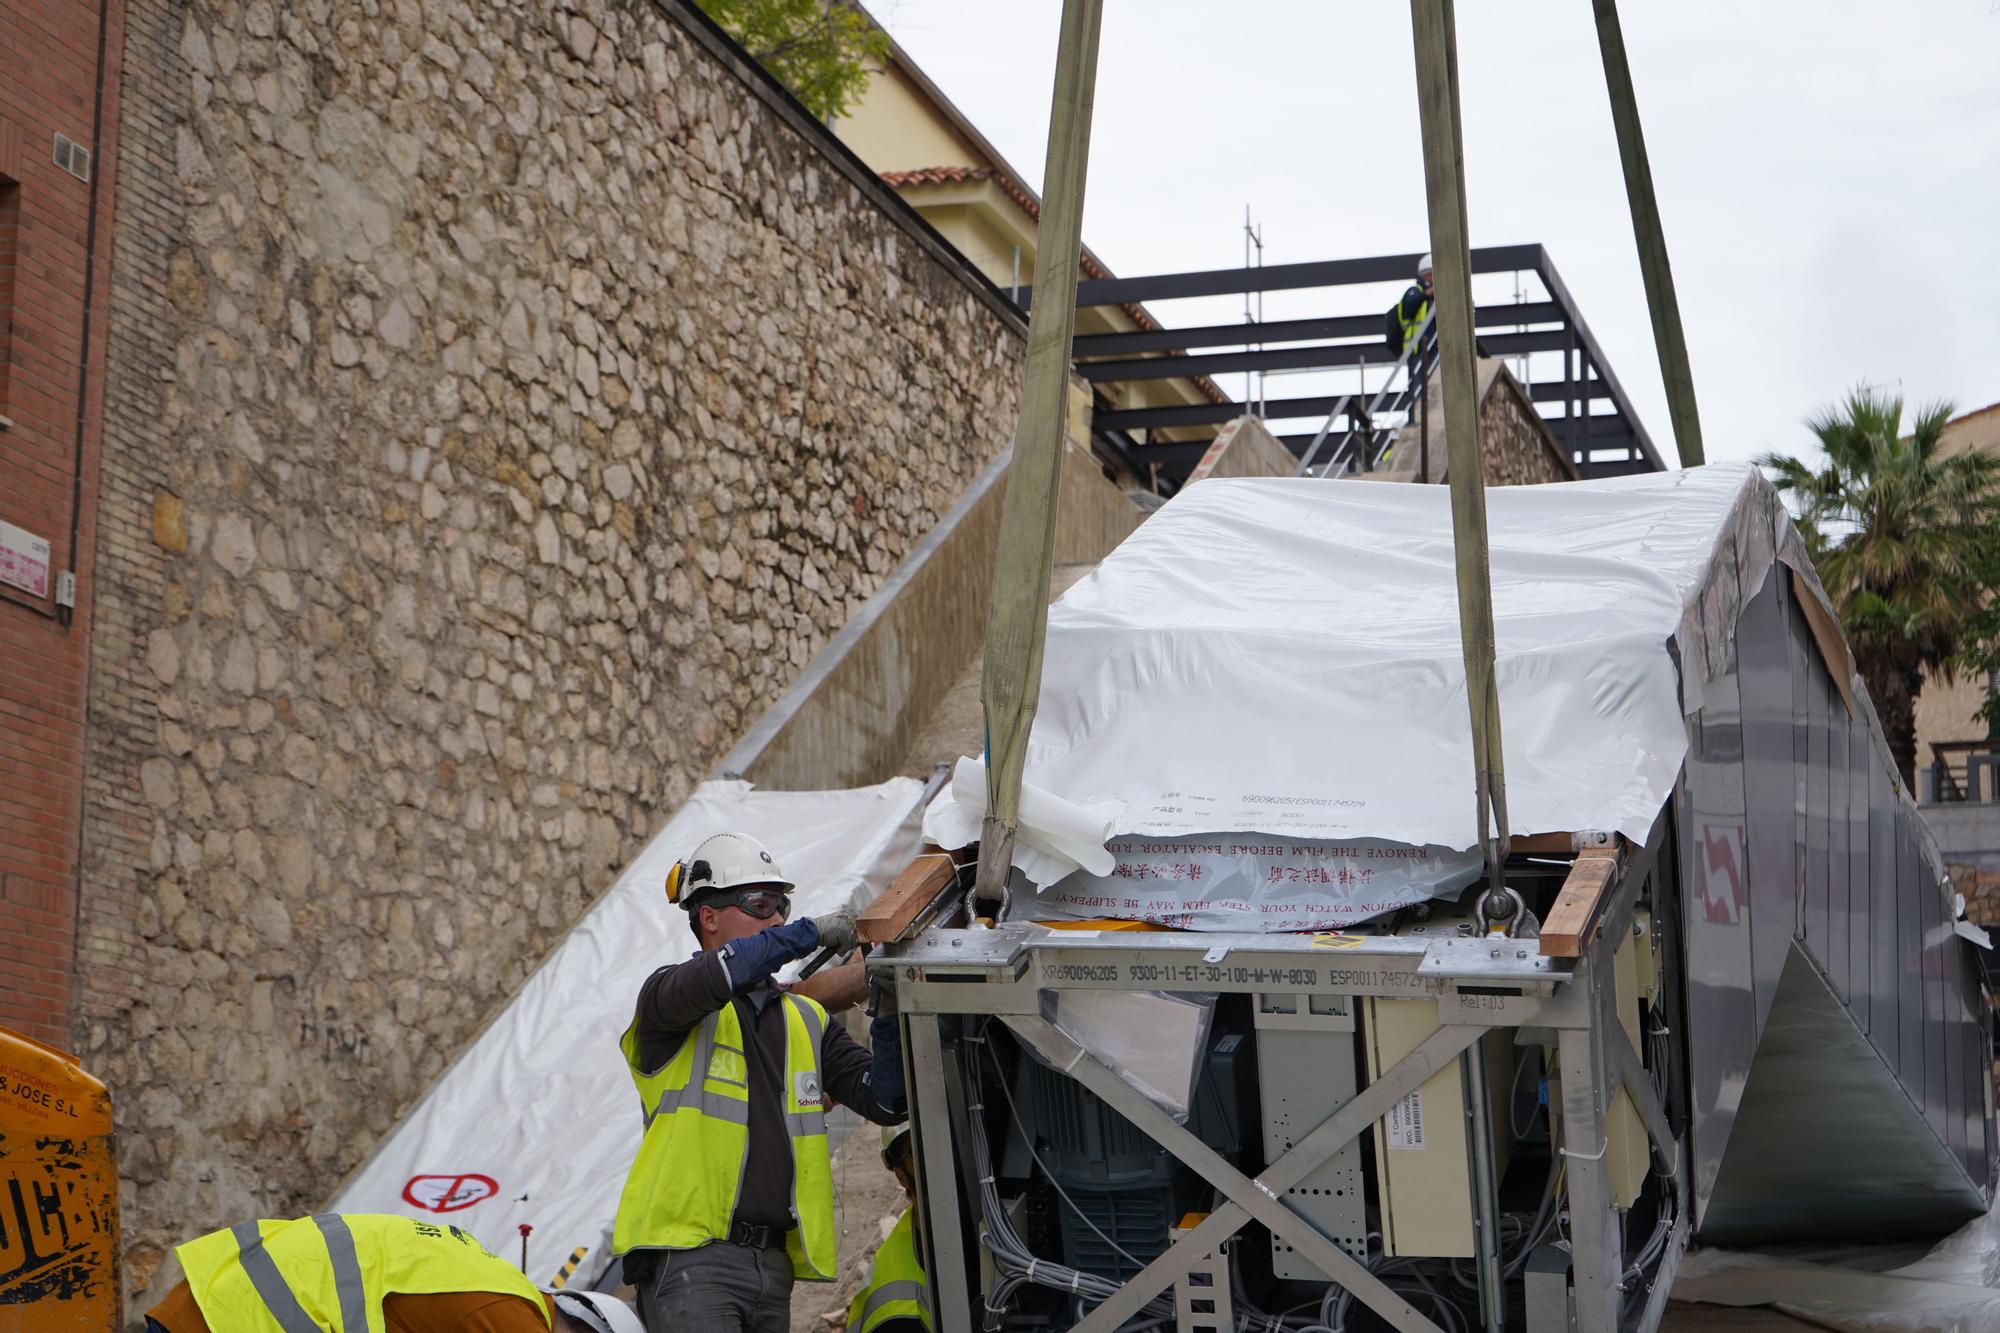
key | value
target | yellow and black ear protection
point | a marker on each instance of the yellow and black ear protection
(679, 875)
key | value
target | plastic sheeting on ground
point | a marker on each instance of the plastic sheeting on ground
(536, 1122)
(1282, 656)
(1951, 1287)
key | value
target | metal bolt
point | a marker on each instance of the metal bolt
(909, 974)
(1465, 927)
(1520, 953)
(1495, 952)
(957, 942)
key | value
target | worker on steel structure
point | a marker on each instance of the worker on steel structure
(893, 1299)
(1406, 318)
(731, 1196)
(366, 1273)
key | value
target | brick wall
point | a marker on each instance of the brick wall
(54, 231)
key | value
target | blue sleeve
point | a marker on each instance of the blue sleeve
(885, 1073)
(755, 957)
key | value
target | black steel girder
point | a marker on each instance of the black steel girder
(1291, 358)
(1288, 330)
(1287, 277)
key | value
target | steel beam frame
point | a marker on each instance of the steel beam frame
(1478, 984)
(1160, 354)
(1293, 330)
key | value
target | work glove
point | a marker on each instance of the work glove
(836, 932)
(881, 997)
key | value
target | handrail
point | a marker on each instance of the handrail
(1426, 344)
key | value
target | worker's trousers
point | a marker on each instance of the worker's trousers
(719, 1288)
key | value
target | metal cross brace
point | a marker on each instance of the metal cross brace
(1260, 1198)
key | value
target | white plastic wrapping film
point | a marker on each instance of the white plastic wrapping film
(1951, 1287)
(537, 1121)
(1282, 656)
(1256, 882)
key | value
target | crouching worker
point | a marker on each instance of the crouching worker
(894, 1300)
(366, 1273)
(731, 1195)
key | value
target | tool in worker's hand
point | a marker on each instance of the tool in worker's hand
(526, 1227)
(821, 959)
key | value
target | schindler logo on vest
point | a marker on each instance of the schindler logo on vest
(448, 1194)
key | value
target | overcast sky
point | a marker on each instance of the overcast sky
(1829, 172)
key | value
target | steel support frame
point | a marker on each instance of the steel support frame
(1260, 1198)
(1478, 984)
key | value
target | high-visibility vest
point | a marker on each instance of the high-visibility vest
(331, 1271)
(895, 1287)
(1412, 326)
(682, 1190)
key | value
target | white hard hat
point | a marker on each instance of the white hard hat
(892, 1136)
(725, 861)
(1424, 264)
(597, 1311)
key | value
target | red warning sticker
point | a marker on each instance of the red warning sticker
(448, 1194)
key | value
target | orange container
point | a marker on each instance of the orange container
(58, 1194)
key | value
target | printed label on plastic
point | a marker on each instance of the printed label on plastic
(1257, 882)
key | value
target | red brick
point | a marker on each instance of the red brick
(46, 263)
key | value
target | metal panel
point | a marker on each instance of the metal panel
(1306, 1072)
(1769, 784)
(1860, 760)
(1930, 975)
(1909, 966)
(1824, 1144)
(1817, 781)
(1839, 832)
(1884, 1026)
(1952, 957)
(1721, 1005)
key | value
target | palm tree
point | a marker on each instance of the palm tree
(1900, 535)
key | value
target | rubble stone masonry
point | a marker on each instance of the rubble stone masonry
(508, 399)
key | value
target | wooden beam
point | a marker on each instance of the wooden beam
(1573, 920)
(1544, 844)
(908, 895)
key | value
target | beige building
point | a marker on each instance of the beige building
(1945, 708)
(909, 132)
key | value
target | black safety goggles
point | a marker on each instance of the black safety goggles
(760, 903)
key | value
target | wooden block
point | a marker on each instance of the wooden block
(1541, 844)
(885, 919)
(1573, 920)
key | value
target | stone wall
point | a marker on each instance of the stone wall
(853, 716)
(509, 401)
(1518, 448)
(1244, 448)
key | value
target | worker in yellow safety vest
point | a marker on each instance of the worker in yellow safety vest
(1407, 317)
(730, 1198)
(366, 1273)
(894, 1300)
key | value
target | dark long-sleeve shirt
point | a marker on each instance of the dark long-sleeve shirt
(674, 1001)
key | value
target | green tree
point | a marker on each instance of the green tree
(1902, 537)
(819, 49)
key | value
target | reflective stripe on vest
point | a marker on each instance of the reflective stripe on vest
(735, 1110)
(889, 1292)
(272, 1289)
(1411, 326)
(895, 1287)
(332, 1272)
